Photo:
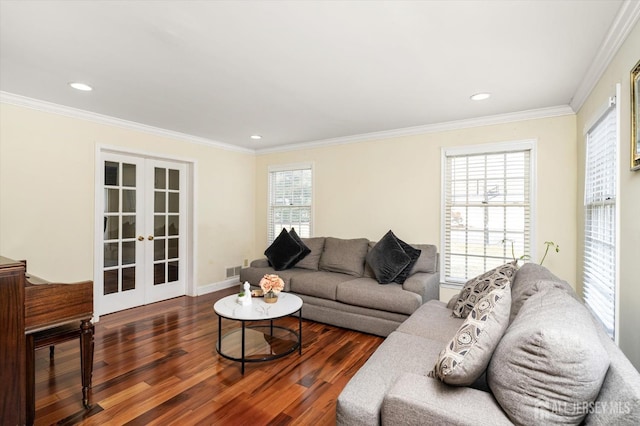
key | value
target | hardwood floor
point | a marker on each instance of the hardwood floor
(157, 365)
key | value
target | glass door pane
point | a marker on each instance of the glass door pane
(122, 247)
(119, 227)
(141, 232)
(166, 219)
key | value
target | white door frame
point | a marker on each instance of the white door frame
(191, 240)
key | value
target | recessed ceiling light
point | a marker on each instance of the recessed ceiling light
(480, 96)
(256, 137)
(81, 86)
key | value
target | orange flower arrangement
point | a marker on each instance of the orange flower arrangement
(271, 283)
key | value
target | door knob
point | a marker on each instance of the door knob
(140, 238)
(150, 237)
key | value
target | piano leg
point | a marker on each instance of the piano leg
(53, 336)
(31, 379)
(86, 360)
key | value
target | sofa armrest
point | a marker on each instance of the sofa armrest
(260, 263)
(425, 284)
(419, 400)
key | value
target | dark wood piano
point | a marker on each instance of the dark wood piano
(35, 313)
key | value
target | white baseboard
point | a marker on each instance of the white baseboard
(220, 285)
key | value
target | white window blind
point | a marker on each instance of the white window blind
(487, 200)
(290, 198)
(600, 220)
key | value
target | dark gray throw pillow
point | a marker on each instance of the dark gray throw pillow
(305, 250)
(413, 254)
(387, 259)
(283, 252)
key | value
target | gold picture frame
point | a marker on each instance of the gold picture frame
(635, 117)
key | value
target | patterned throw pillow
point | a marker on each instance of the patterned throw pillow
(467, 355)
(478, 287)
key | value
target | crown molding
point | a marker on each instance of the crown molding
(534, 114)
(623, 24)
(23, 101)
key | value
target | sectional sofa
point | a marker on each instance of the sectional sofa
(338, 285)
(548, 362)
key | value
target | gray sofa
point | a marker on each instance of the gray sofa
(339, 288)
(552, 347)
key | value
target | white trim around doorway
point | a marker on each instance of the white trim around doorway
(191, 190)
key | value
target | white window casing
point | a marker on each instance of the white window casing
(487, 204)
(290, 202)
(601, 232)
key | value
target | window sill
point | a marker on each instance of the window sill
(453, 286)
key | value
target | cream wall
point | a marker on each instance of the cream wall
(364, 189)
(629, 196)
(47, 195)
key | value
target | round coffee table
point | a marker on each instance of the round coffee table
(258, 342)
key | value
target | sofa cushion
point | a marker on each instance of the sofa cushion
(466, 356)
(550, 363)
(418, 400)
(531, 272)
(619, 397)
(320, 284)
(432, 321)
(387, 258)
(520, 295)
(344, 256)
(368, 293)
(360, 401)
(478, 287)
(530, 279)
(255, 274)
(311, 260)
(428, 259)
(284, 251)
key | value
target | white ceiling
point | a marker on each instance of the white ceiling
(302, 71)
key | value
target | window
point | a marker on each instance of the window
(290, 198)
(599, 287)
(487, 202)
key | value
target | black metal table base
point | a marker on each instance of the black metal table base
(243, 358)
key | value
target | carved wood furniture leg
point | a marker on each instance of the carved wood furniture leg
(30, 355)
(86, 359)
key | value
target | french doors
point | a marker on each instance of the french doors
(143, 238)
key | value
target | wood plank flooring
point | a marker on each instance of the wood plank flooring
(157, 365)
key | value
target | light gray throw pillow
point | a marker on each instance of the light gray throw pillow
(549, 366)
(467, 354)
